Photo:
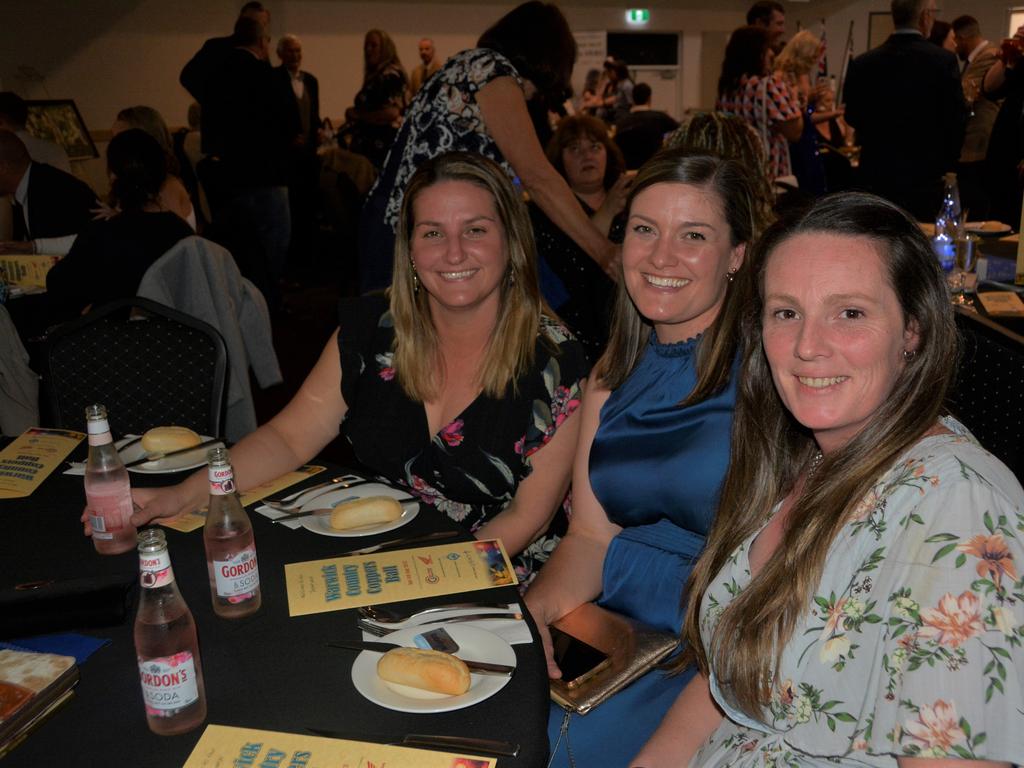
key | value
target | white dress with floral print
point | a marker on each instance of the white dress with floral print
(912, 647)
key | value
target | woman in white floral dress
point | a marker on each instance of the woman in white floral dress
(860, 601)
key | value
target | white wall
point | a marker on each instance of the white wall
(109, 54)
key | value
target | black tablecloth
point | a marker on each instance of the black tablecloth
(266, 671)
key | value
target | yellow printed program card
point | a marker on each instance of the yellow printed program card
(224, 747)
(30, 459)
(338, 583)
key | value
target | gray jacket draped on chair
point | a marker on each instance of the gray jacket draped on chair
(200, 278)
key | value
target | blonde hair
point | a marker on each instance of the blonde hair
(388, 55)
(799, 56)
(770, 449)
(510, 352)
(730, 183)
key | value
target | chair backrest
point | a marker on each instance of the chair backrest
(987, 393)
(149, 364)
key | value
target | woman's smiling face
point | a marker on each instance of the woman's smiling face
(676, 256)
(834, 332)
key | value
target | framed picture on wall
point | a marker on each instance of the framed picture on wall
(59, 121)
(879, 28)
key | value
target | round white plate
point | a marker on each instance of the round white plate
(988, 228)
(476, 644)
(179, 463)
(321, 523)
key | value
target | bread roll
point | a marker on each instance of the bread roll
(369, 511)
(167, 439)
(427, 670)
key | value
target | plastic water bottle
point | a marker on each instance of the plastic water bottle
(108, 493)
(948, 225)
(230, 546)
(166, 645)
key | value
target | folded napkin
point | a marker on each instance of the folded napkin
(274, 514)
(512, 631)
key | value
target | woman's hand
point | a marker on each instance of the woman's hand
(536, 610)
(103, 212)
(161, 503)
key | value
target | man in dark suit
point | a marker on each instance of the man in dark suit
(200, 72)
(905, 101)
(640, 133)
(304, 171)
(50, 206)
(261, 120)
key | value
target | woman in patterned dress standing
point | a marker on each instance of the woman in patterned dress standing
(477, 103)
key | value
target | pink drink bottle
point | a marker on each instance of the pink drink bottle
(230, 546)
(166, 646)
(108, 493)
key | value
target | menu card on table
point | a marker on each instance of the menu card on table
(31, 457)
(339, 583)
(190, 521)
(224, 747)
(27, 270)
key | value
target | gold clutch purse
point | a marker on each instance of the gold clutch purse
(633, 649)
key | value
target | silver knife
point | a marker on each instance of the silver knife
(169, 454)
(483, 667)
(392, 542)
(476, 746)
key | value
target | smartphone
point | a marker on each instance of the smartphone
(578, 660)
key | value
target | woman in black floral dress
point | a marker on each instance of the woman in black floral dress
(460, 387)
(378, 107)
(477, 103)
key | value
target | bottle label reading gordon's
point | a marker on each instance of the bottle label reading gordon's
(222, 480)
(237, 578)
(108, 514)
(155, 569)
(168, 683)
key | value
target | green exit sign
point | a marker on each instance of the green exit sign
(638, 16)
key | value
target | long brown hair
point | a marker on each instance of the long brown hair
(770, 449)
(729, 136)
(510, 352)
(731, 185)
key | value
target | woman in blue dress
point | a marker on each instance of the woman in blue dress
(654, 436)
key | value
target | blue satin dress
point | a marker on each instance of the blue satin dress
(656, 468)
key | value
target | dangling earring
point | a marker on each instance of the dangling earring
(511, 277)
(730, 275)
(909, 354)
(415, 278)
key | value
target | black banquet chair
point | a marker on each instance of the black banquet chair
(150, 365)
(986, 397)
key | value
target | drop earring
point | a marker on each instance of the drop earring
(415, 278)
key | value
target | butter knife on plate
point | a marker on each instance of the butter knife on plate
(476, 746)
(482, 667)
(161, 456)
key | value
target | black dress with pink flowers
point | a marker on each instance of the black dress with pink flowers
(470, 470)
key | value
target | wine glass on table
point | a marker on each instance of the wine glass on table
(966, 261)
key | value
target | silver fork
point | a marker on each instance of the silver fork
(383, 615)
(303, 497)
(378, 631)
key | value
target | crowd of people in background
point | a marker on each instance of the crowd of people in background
(767, 362)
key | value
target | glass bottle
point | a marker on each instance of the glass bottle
(948, 225)
(230, 546)
(108, 492)
(166, 645)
